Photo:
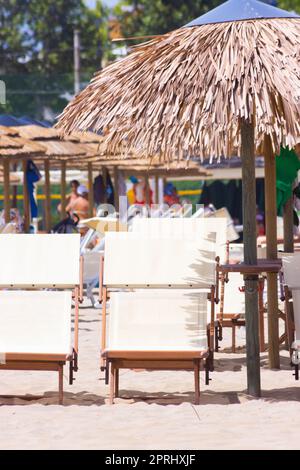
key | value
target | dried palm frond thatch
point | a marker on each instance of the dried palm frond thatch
(183, 94)
(34, 132)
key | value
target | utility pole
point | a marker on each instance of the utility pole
(76, 46)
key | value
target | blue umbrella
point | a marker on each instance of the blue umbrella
(241, 10)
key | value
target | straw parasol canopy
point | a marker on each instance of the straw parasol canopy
(227, 83)
(15, 147)
(184, 93)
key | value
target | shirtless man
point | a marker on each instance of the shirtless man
(80, 204)
(73, 194)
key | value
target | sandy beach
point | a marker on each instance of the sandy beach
(156, 409)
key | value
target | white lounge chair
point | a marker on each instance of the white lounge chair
(291, 272)
(35, 324)
(158, 287)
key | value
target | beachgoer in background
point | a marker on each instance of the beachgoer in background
(103, 194)
(80, 205)
(137, 194)
(72, 196)
(170, 195)
(131, 191)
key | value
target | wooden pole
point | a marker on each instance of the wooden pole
(116, 188)
(156, 189)
(104, 176)
(91, 189)
(271, 232)
(63, 190)
(250, 257)
(147, 190)
(6, 190)
(288, 226)
(15, 191)
(26, 206)
(47, 196)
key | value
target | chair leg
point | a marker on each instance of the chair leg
(216, 339)
(112, 384)
(60, 384)
(233, 337)
(116, 382)
(197, 381)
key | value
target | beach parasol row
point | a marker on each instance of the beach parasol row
(84, 151)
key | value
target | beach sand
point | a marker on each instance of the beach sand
(156, 409)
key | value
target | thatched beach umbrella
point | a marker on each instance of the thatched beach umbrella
(14, 148)
(58, 150)
(227, 83)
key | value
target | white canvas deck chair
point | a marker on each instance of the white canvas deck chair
(291, 273)
(39, 276)
(158, 287)
(217, 224)
(93, 255)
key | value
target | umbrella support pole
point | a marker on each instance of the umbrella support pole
(116, 188)
(250, 257)
(91, 189)
(6, 188)
(288, 226)
(26, 206)
(63, 190)
(271, 232)
(47, 197)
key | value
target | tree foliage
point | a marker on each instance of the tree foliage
(159, 16)
(36, 50)
(144, 17)
(292, 5)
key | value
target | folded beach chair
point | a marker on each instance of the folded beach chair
(91, 272)
(92, 255)
(158, 286)
(231, 311)
(39, 276)
(291, 273)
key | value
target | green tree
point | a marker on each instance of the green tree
(13, 46)
(144, 17)
(292, 5)
(159, 16)
(36, 50)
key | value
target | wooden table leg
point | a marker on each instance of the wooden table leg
(112, 383)
(116, 382)
(60, 384)
(233, 337)
(197, 381)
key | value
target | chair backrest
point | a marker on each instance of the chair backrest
(35, 322)
(160, 260)
(91, 265)
(231, 233)
(184, 227)
(39, 260)
(291, 272)
(143, 320)
(234, 297)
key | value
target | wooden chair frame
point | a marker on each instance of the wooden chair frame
(112, 361)
(47, 362)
